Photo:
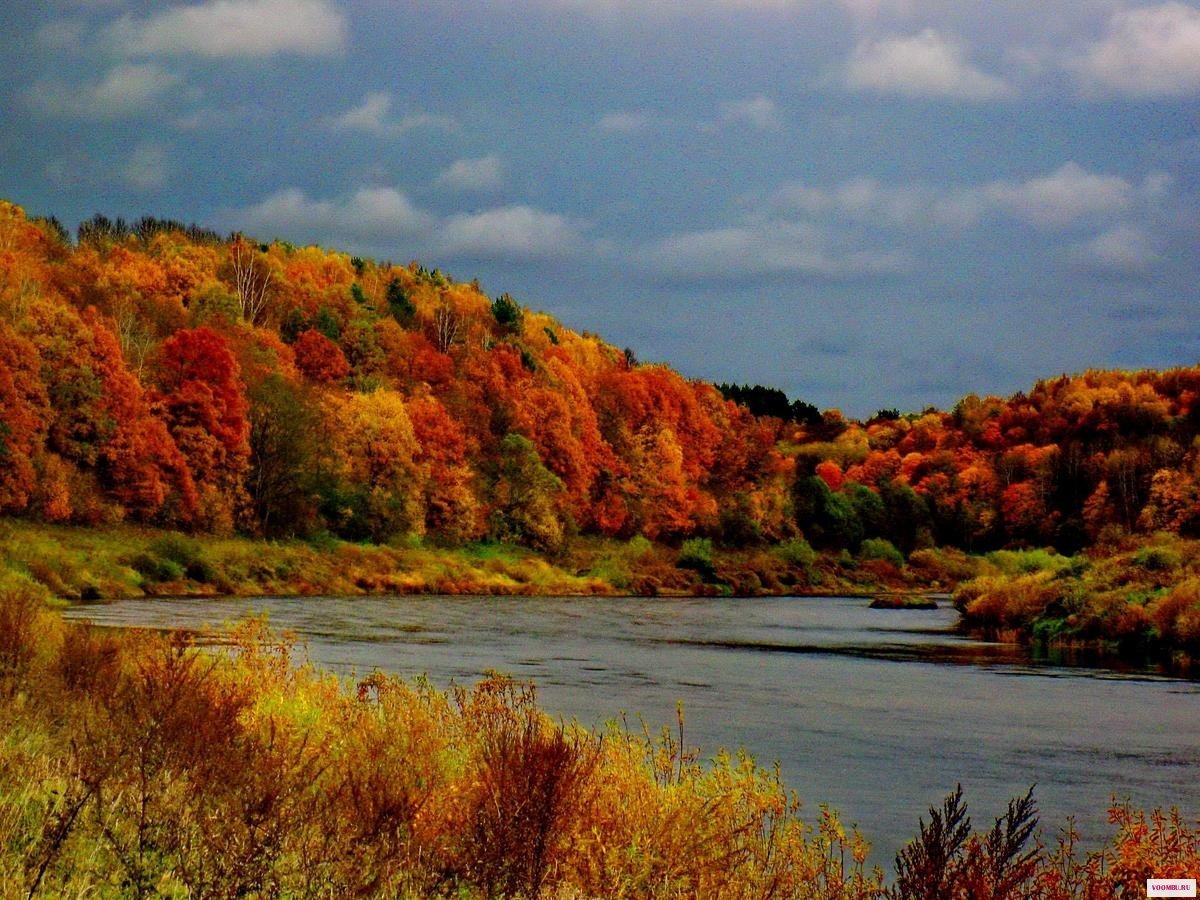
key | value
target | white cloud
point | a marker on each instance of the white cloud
(769, 248)
(372, 115)
(147, 167)
(867, 200)
(1057, 199)
(376, 218)
(250, 28)
(126, 90)
(1146, 51)
(378, 213)
(513, 232)
(484, 174)
(1123, 249)
(923, 65)
(759, 112)
(624, 122)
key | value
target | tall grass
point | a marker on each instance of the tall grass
(132, 764)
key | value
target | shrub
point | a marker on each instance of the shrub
(22, 609)
(990, 602)
(944, 564)
(797, 552)
(1157, 559)
(881, 549)
(156, 569)
(1025, 562)
(1177, 616)
(947, 860)
(696, 554)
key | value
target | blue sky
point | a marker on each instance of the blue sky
(866, 203)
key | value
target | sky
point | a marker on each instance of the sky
(866, 203)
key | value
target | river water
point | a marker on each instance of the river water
(877, 712)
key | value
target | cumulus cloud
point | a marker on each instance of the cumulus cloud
(1123, 250)
(483, 174)
(760, 113)
(922, 65)
(510, 232)
(1146, 51)
(377, 218)
(125, 90)
(1057, 199)
(769, 248)
(381, 213)
(373, 116)
(868, 200)
(624, 122)
(1064, 197)
(228, 28)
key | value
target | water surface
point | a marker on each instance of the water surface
(878, 712)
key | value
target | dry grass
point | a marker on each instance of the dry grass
(134, 765)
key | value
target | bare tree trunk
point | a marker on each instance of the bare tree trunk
(448, 326)
(251, 281)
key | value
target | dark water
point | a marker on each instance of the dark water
(877, 712)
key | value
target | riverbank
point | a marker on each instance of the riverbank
(121, 561)
(1134, 599)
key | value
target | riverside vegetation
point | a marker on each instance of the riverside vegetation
(132, 764)
(182, 412)
(315, 422)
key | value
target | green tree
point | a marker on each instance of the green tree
(285, 458)
(508, 314)
(527, 496)
(827, 519)
(400, 306)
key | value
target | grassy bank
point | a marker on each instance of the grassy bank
(1138, 599)
(111, 562)
(134, 765)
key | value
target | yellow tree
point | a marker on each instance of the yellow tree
(378, 457)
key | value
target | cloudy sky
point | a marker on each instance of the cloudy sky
(864, 202)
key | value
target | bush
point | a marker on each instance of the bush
(1003, 603)
(155, 569)
(1026, 562)
(696, 554)
(1177, 616)
(881, 549)
(21, 612)
(1157, 559)
(944, 564)
(797, 552)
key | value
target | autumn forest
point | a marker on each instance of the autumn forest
(187, 412)
(163, 374)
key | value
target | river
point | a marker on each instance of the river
(877, 712)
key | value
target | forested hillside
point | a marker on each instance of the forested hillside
(165, 374)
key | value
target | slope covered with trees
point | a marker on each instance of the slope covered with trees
(162, 374)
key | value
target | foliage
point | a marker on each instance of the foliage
(508, 314)
(696, 553)
(157, 372)
(882, 549)
(1124, 598)
(134, 764)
